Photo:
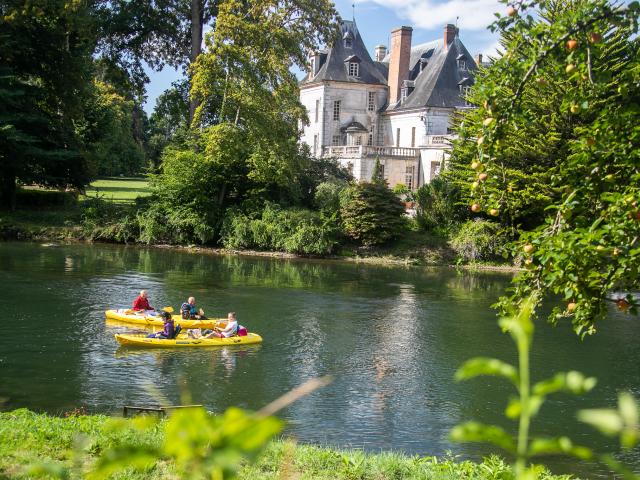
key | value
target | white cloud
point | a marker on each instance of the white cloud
(473, 14)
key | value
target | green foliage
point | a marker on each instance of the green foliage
(438, 205)
(45, 198)
(528, 403)
(111, 146)
(327, 197)
(371, 213)
(478, 240)
(36, 445)
(292, 230)
(170, 116)
(557, 131)
(45, 58)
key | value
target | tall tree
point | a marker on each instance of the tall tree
(45, 79)
(585, 54)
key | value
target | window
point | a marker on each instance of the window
(371, 103)
(413, 137)
(408, 177)
(358, 140)
(462, 64)
(336, 140)
(336, 110)
(382, 171)
(404, 91)
(315, 145)
(397, 137)
(348, 42)
(354, 69)
(317, 110)
(370, 138)
(350, 167)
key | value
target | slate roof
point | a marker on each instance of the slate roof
(333, 67)
(438, 85)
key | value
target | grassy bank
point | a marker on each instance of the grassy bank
(50, 444)
(109, 212)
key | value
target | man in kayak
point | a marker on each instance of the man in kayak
(189, 311)
(229, 331)
(142, 302)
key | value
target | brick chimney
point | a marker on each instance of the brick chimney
(478, 59)
(399, 62)
(380, 52)
(450, 32)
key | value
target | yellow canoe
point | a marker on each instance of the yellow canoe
(140, 340)
(130, 316)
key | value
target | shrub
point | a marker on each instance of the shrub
(478, 240)
(291, 230)
(371, 213)
(438, 205)
(44, 198)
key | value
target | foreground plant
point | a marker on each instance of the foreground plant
(527, 404)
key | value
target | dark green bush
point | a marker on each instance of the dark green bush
(44, 198)
(371, 213)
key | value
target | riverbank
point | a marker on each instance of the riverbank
(56, 444)
(414, 249)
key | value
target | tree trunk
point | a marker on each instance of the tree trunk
(197, 22)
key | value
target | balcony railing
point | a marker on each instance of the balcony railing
(358, 151)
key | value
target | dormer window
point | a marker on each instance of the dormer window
(352, 64)
(348, 39)
(462, 61)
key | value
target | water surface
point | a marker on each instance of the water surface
(391, 337)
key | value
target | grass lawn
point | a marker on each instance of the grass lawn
(119, 189)
(33, 443)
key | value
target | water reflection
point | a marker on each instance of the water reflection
(391, 337)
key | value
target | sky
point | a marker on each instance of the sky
(376, 19)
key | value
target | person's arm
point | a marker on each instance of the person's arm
(231, 326)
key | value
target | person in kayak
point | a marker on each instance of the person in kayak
(169, 331)
(229, 331)
(142, 302)
(189, 311)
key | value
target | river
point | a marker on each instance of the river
(391, 337)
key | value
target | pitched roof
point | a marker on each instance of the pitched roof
(438, 84)
(334, 68)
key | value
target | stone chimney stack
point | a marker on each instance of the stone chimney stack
(450, 32)
(399, 63)
(380, 52)
(478, 60)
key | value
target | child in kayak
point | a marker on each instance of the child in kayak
(142, 302)
(169, 330)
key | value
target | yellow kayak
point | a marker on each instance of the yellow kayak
(131, 316)
(141, 340)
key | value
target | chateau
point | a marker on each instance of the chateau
(396, 107)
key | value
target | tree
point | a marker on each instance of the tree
(584, 54)
(371, 213)
(170, 116)
(45, 53)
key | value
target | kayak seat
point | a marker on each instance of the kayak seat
(176, 331)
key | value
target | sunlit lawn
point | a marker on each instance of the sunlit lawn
(119, 189)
